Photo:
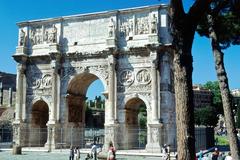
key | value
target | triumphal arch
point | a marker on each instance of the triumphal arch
(127, 50)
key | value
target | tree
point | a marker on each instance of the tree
(217, 99)
(183, 29)
(206, 116)
(223, 30)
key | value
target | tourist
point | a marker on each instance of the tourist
(111, 152)
(94, 151)
(229, 157)
(215, 154)
(88, 157)
(76, 153)
(164, 151)
(71, 153)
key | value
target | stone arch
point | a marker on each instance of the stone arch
(39, 119)
(76, 95)
(133, 129)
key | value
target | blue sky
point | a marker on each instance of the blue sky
(12, 12)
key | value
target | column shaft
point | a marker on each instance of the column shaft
(154, 92)
(19, 98)
(111, 86)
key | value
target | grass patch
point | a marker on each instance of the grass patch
(221, 140)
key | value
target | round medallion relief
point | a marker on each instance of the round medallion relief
(126, 77)
(143, 76)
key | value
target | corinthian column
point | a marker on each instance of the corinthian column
(54, 73)
(154, 90)
(19, 98)
(111, 89)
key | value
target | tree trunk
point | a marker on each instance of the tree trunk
(225, 93)
(184, 106)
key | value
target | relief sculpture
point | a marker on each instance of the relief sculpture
(142, 26)
(143, 76)
(43, 83)
(126, 77)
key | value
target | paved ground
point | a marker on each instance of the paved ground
(36, 155)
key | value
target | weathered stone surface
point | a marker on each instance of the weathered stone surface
(63, 56)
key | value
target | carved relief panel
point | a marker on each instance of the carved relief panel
(43, 34)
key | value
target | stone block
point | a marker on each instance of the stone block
(153, 39)
(111, 43)
(17, 150)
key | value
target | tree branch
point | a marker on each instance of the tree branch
(198, 9)
(176, 8)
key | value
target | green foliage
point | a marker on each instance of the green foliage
(226, 23)
(142, 117)
(217, 99)
(206, 116)
(221, 140)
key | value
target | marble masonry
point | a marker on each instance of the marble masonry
(127, 50)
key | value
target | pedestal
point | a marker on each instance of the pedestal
(111, 135)
(20, 133)
(154, 137)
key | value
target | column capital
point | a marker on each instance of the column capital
(22, 59)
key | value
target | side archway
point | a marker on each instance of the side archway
(136, 123)
(39, 119)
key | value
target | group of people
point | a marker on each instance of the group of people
(216, 155)
(166, 152)
(75, 153)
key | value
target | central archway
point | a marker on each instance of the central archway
(40, 116)
(78, 110)
(136, 120)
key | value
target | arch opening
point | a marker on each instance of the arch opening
(40, 117)
(136, 123)
(86, 114)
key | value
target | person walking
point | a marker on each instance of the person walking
(229, 157)
(94, 151)
(71, 153)
(111, 152)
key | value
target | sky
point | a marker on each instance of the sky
(12, 12)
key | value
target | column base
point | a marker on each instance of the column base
(111, 135)
(154, 138)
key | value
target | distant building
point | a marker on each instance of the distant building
(236, 97)
(7, 90)
(202, 97)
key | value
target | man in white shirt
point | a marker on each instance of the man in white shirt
(228, 157)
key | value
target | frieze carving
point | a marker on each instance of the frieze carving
(43, 83)
(140, 88)
(40, 36)
(142, 26)
(143, 76)
(126, 77)
(126, 28)
(36, 36)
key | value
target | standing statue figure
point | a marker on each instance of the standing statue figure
(154, 24)
(111, 28)
(22, 38)
(53, 35)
